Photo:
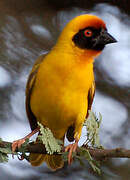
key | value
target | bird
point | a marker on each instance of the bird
(61, 86)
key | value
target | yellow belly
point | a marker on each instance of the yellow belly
(58, 100)
(60, 111)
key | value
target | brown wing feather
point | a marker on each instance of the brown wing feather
(91, 94)
(29, 87)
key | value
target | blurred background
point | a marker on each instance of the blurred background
(29, 28)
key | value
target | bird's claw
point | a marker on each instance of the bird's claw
(71, 148)
(21, 157)
(17, 144)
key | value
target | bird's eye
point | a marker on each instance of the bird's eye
(88, 33)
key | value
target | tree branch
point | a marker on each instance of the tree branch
(95, 153)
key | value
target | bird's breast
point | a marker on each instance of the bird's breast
(59, 96)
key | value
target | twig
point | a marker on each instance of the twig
(95, 153)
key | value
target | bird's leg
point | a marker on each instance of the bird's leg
(71, 148)
(19, 142)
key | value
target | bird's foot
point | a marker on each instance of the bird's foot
(21, 157)
(17, 144)
(71, 148)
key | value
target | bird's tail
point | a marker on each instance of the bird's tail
(53, 161)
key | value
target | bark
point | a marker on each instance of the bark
(95, 152)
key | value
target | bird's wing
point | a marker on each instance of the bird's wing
(91, 94)
(30, 84)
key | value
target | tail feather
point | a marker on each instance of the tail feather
(36, 159)
(53, 161)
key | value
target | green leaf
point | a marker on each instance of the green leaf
(3, 157)
(84, 154)
(65, 156)
(6, 150)
(92, 124)
(52, 144)
(22, 150)
(23, 147)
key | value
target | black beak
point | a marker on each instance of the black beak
(103, 39)
(106, 38)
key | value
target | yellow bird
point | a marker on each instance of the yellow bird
(61, 86)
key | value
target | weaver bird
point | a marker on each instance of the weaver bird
(61, 87)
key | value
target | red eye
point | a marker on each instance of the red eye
(88, 33)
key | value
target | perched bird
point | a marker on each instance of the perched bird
(61, 86)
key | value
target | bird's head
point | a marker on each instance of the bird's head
(86, 35)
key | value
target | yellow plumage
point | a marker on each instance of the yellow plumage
(60, 88)
(61, 99)
(59, 102)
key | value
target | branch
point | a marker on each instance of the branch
(95, 153)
